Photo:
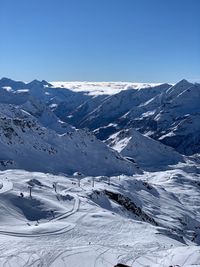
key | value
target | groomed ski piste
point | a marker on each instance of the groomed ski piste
(149, 219)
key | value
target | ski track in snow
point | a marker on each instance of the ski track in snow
(7, 186)
(86, 235)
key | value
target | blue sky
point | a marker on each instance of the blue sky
(100, 40)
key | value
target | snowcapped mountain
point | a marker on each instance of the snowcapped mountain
(169, 114)
(29, 146)
(117, 105)
(34, 104)
(148, 153)
(80, 113)
(6, 82)
(184, 135)
(45, 115)
(132, 199)
(171, 119)
(157, 111)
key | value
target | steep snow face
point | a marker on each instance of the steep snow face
(27, 145)
(148, 153)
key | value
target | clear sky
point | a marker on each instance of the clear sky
(100, 40)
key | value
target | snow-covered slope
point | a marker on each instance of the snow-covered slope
(77, 116)
(156, 110)
(166, 113)
(45, 115)
(29, 146)
(33, 100)
(184, 134)
(117, 105)
(148, 153)
(78, 210)
(146, 220)
(62, 100)
(173, 119)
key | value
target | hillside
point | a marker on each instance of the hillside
(146, 152)
(25, 144)
(99, 174)
(151, 219)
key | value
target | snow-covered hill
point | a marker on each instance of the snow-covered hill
(145, 220)
(148, 153)
(28, 145)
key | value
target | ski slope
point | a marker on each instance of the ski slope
(88, 228)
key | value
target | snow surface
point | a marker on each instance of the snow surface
(148, 153)
(82, 226)
(25, 144)
(69, 199)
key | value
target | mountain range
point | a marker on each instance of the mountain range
(99, 174)
(162, 118)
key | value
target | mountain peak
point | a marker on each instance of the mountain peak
(45, 83)
(35, 82)
(9, 82)
(178, 88)
(183, 82)
(39, 83)
(5, 79)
